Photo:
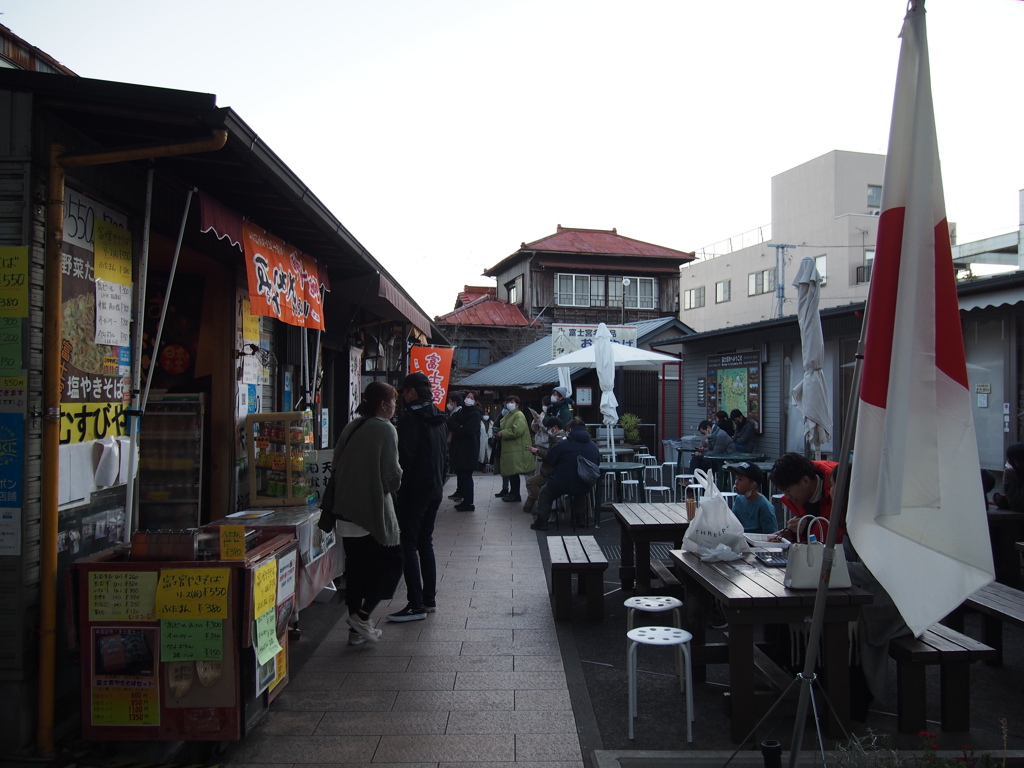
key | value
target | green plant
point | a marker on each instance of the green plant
(630, 427)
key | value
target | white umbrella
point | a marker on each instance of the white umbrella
(605, 363)
(811, 393)
(596, 356)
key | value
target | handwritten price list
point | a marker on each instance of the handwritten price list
(122, 596)
(14, 281)
(193, 593)
(113, 253)
(192, 640)
(125, 701)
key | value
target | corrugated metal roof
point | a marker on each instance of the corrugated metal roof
(485, 311)
(520, 369)
(602, 241)
(474, 292)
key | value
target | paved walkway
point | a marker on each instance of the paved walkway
(479, 682)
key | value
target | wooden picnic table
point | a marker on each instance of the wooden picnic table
(719, 460)
(639, 525)
(750, 595)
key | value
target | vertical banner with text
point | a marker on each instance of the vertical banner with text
(436, 364)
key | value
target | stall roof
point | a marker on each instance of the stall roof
(520, 369)
(245, 175)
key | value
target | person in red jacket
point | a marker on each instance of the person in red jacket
(807, 488)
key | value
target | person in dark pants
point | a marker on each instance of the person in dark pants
(564, 478)
(422, 446)
(464, 445)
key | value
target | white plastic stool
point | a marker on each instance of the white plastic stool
(691, 480)
(680, 638)
(609, 487)
(729, 496)
(630, 488)
(653, 604)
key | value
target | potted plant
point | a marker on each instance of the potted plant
(630, 424)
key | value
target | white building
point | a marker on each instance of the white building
(826, 208)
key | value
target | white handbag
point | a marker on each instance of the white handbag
(803, 563)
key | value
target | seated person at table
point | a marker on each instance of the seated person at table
(553, 428)
(807, 488)
(751, 508)
(716, 441)
(564, 478)
(746, 431)
(1012, 496)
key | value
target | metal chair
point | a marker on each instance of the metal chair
(664, 636)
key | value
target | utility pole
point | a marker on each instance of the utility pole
(780, 273)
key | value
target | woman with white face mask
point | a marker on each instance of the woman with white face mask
(515, 459)
(464, 432)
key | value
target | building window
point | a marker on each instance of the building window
(874, 196)
(473, 357)
(761, 282)
(723, 291)
(641, 293)
(572, 290)
(693, 298)
(819, 262)
(514, 290)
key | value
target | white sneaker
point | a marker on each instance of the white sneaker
(363, 627)
(354, 638)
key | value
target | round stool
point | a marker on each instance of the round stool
(682, 481)
(729, 496)
(653, 604)
(680, 638)
(630, 488)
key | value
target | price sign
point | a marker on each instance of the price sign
(232, 542)
(113, 253)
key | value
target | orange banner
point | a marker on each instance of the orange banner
(436, 363)
(283, 282)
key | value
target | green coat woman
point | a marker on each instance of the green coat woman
(515, 459)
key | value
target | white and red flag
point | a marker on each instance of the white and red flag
(916, 511)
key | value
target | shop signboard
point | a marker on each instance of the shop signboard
(284, 283)
(95, 313)
(569, 337)
(436, 364)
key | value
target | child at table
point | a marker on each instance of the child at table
(752, 509)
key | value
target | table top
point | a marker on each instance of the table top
(736, 457)
(632, 515)
(1003, 516)
(616, 466)
(746, 583)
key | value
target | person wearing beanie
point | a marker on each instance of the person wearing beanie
(422, 448)
(561, 405)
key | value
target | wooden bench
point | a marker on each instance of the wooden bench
(670, 585)
(953, 653)
(582, 556)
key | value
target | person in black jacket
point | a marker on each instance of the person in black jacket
(422, 446)
(464, 445)
(564, 478)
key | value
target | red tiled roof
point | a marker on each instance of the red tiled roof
(601, 241)
(484, 310)
(474, 292)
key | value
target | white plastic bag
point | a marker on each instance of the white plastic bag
(714, 523)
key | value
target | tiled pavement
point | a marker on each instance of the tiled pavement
(478, 683)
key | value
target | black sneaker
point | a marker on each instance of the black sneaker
(499, 494)
(537, 525)
(456, 497)
(513, 499)
(464, 507)
(429, 607)
(409, 614)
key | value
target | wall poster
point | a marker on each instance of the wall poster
(734, 382)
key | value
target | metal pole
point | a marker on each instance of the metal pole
(836, 521)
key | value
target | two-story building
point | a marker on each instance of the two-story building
(590, 276)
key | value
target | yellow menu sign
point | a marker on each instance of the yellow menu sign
(193, 593)
(112, 253)
(14, 281)
(122, 595)
(264, 589)
(232, 542)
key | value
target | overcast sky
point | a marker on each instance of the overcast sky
(444, 134)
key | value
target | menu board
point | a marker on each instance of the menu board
(122, 595)
(193, 593)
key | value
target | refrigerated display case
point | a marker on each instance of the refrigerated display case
(171, 462)
(281, 451)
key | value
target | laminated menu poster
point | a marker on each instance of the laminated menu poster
(125, 686)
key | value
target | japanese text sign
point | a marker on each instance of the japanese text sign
(284, 283)
(436, 364)
(14, 281)
(264, 588)
(192, 640)
(122, 595)
(192, 593)
(232, 542)
(112, 253)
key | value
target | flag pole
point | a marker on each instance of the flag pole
(837, 519)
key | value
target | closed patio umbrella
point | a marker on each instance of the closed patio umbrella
(811, 392)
